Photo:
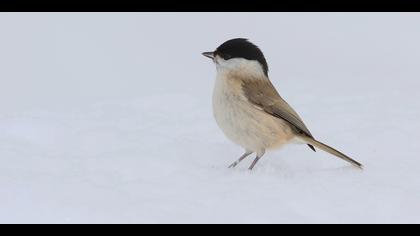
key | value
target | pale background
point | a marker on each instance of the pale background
(106, 118)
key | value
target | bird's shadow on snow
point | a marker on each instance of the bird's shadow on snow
(270, 170)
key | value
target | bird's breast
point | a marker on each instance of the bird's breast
(242, 122)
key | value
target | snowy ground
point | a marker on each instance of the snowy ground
(106, 118)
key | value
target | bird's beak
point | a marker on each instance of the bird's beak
(209, 55)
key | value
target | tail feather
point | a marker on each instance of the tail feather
(331, 150)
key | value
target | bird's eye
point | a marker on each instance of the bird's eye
(227, 56)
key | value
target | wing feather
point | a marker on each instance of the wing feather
(262, 94)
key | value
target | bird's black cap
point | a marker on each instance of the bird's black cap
(242, 48)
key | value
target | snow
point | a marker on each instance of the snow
(106, 118)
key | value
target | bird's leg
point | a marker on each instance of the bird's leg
(247, 153)
(259, 155)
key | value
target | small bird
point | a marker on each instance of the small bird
(248, 108)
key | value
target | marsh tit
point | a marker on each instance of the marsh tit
(248, 108)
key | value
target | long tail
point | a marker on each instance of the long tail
(331, 150)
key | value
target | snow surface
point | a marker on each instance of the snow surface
(106, 118)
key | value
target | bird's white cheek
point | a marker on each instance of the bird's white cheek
(220, 63)
(242, 67)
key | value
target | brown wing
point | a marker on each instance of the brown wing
(262, 94)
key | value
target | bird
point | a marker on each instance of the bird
(248, 108)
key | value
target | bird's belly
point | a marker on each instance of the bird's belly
(248, 126)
